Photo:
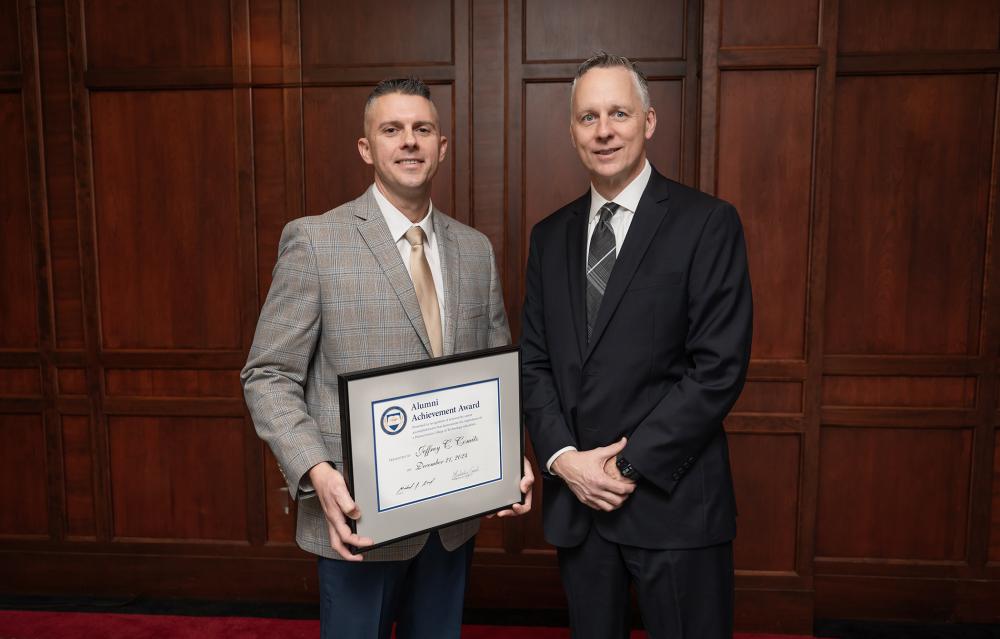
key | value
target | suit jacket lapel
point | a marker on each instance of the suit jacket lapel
(576, 240)
(449, 254)
(652, 209)
(376, 234)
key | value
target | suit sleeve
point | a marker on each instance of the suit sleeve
(720, 323)
(499, 329)
(542, 408)
(276, 371)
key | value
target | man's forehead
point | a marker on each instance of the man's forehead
(610, 84)
(396, 106)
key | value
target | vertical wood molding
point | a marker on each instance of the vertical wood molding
(31, 99)
(708, 147)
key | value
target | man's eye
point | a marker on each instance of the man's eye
(424, 130)
(587, 118)
(620, 114)
(389, 130)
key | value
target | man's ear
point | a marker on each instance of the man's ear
(444, 149)
(650, 122)
(365, 149)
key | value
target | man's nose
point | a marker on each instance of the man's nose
(604, 130)
(409, 138)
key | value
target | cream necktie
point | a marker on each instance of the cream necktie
(423, 283)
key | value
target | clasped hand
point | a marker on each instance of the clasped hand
(593, 476)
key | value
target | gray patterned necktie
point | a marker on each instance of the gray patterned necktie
(600, 261)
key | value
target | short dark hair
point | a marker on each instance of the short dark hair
(605, 60)
(406, 86)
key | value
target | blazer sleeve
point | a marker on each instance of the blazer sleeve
(542, 409)
(499, 329)
(277, 369)
(720, 325)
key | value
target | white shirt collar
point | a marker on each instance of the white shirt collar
(398, 223)
(629, 196)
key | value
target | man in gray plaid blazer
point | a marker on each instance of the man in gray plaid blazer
(384, 279)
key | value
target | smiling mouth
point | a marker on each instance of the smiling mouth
(606, 152)
(409, 162)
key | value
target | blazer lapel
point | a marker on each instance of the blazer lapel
(652, 209)
(376, 234)
(576, 240)
(448, 252)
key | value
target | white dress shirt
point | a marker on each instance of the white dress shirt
(398, 225)
(627, 201)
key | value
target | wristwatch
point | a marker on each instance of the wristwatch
(626, 469)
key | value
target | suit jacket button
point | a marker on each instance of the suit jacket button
(676, 476)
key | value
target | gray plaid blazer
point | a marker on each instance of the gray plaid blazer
(341, 300)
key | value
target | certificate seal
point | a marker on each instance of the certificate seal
(393, 420)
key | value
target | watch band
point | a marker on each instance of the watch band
(626, 469)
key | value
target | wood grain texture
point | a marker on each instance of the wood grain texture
(763, 23)
(23, 498)
(760, 396)
(908, 214)
(60, 175)
(18, 317)
(72, 381)
(78, 469)
(893, 493)
(397, 33)
(167, 222)
(132, 33)
(994, 548)
(772, 192)
(173, 383)
(913, 392)
(767, 499)
(10, 48)
(20, 382)
(569, 30)
(167, 474)
(918, 25)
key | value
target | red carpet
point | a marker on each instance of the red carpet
(16, 624)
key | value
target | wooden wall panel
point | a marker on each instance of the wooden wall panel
(553, 175)
(894, 493)
(167, 474)
(569, 30)
(994, 552)
(18, 305)
(766, 396)
(772, 192)
(78, 469)
(60, 176)
(15, 382)
(334, 170)
(167, 225)
(72, 381)
(921, 25)
(909, 392)
(173, 383)
(756, 23)
(906, 254)
(155, 150)
(23, 495)
(131, 33)
(767, 500)
(403, 33)
(10, 55)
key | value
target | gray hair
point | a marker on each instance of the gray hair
(605, 60)
(405, 86)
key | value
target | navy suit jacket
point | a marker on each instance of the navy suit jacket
(666, 361)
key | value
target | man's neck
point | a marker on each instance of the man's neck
(414, 208)
(610, 188)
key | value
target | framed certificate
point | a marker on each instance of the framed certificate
(432, 443)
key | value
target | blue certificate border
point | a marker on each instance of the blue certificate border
(378, 499)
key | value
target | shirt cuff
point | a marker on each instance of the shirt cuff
(548, 464)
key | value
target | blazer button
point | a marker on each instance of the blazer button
(690, 460)
(676, 476)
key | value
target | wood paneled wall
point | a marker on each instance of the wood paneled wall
(152, 153)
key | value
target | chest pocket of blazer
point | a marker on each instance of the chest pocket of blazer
(471, 311)
(641, 282)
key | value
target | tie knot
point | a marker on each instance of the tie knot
(415, 236)
(609, 209)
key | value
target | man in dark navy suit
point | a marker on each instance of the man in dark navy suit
(636, 340)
